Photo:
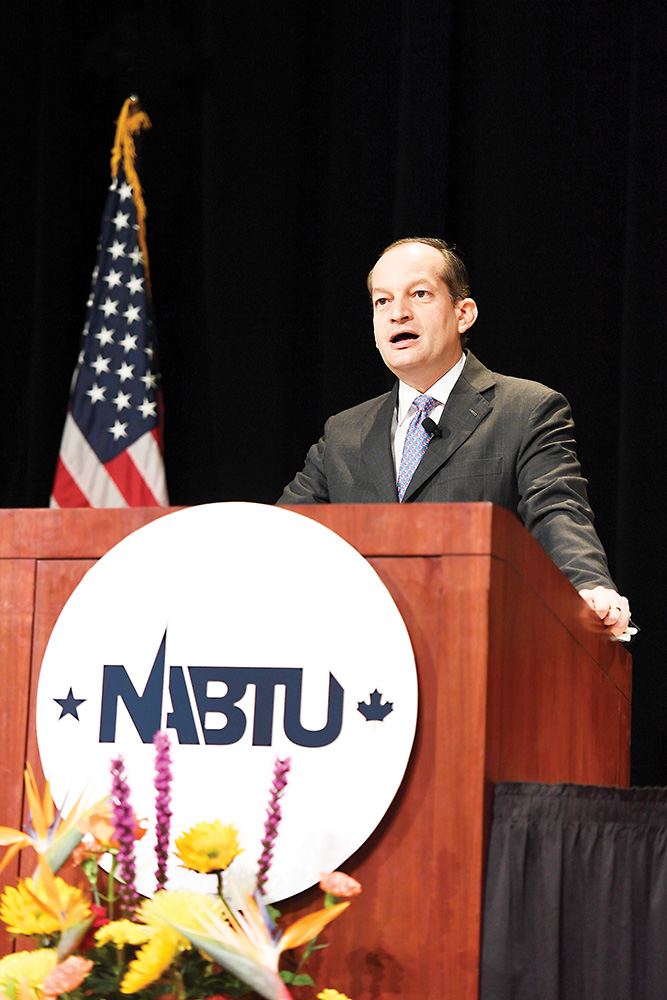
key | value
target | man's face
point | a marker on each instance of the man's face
(417, 326)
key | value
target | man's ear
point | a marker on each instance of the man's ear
(467, 313)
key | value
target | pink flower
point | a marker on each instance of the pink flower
(339, 884)
(274, 815)
(125, 825)
(66, 976)
(163, 812)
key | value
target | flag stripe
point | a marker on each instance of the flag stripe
(147, 456)
(86, 469)
(133, 487)
(66, 493)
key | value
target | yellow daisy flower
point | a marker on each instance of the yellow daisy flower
(152, 960)
(208, 847)
(188, 909)
(33, 966)
(331, 995)
(124, 932)
(22, 913)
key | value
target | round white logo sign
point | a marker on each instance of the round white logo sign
(250, 633)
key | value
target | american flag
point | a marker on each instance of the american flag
(111, 449)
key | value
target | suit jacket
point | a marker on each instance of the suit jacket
(502, 439)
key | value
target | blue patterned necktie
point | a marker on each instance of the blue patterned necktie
(416, 443)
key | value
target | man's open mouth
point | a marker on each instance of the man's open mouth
(402, 335)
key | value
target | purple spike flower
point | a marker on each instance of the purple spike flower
(162, 804)
(125, 826)
(274, 815)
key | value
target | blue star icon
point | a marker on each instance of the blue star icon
(69, 705)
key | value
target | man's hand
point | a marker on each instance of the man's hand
(610, 607)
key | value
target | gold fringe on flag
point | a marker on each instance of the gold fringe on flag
(131, 120)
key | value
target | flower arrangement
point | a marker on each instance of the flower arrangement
(97, 939)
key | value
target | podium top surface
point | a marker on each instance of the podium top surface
(375, 529)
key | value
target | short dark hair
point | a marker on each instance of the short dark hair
(454, 272)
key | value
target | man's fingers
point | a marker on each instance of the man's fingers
(610, 607)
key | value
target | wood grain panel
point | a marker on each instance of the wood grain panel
(75, 533)
(554, 713)
(17, 587)
(55, 580)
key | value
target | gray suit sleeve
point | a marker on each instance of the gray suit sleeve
(553, 498)
(309, 485)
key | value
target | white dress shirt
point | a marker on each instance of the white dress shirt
(406, 408)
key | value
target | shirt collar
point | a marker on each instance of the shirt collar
(440, 390)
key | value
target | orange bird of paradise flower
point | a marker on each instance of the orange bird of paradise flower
(47, 832)
(247, 943)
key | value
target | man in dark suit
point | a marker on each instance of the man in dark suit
(485, 437)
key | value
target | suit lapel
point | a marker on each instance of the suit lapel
(376, 450)
(464, 411)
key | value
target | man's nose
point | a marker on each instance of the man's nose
(400, 310)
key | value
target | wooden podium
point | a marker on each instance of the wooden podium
(517, 679)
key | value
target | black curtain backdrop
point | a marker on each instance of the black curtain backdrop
(291, 142)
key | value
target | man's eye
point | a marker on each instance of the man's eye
(380, 302)
(421, 293)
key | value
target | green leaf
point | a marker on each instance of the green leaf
(71, 938)
(296, 978)
(61, 848)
